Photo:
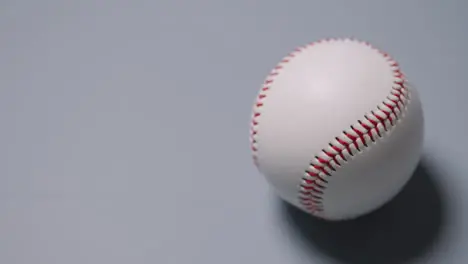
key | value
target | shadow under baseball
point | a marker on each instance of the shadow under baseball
(405, 228)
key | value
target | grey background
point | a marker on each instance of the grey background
(124, 132)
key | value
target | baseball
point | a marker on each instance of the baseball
(337, 128)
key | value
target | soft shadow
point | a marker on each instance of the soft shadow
(405, 228)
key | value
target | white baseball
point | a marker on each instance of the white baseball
(337, 129)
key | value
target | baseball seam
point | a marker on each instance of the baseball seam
(349, 143)
(263, 93)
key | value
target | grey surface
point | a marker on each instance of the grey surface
(124, 132)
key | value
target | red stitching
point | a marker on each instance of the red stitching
(260, 98)
(352, 141)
